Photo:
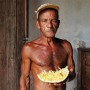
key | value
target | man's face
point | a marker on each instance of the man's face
(48, 23)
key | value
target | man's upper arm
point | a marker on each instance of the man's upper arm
(70, 61)
(25, 65)
(25, 68)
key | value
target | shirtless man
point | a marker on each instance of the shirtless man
(47, 52)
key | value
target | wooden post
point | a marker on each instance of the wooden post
(11, 40)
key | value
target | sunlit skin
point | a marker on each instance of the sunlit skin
(46, 53)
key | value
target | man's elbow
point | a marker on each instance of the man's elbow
(72, 75)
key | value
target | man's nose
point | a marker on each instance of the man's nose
(49, 24)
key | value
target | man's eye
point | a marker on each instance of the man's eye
(55, 20)
(44, 20)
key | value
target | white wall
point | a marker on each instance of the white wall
(75, 25)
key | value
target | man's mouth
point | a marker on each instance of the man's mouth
(48, 30)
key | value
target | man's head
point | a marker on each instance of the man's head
(47, 19)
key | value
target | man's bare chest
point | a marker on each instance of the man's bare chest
(49, 56)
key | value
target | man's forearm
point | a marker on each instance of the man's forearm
(28, 83)
(24, 84)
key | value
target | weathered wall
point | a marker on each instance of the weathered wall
(75, 25)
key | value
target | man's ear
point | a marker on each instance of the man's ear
(37, 24)
(58, 23)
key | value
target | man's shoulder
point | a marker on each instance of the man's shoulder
(27, 48)
(63, 41)
(30, 44)
(65, 44)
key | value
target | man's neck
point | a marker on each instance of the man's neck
(47, 40)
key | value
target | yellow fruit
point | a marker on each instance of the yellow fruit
(54, 76)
